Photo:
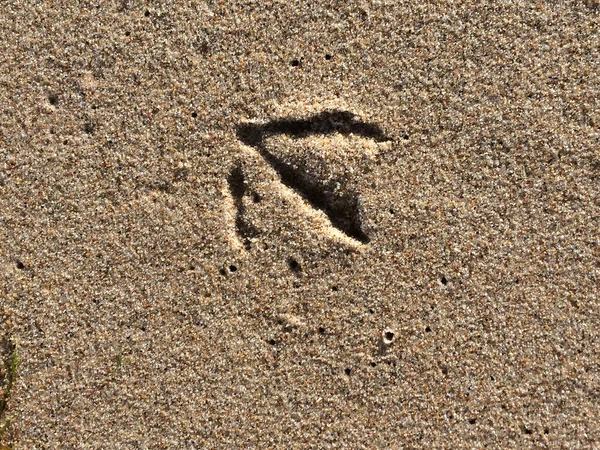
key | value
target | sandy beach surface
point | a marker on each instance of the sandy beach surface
(287, 224)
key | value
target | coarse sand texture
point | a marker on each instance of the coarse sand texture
(289, 224)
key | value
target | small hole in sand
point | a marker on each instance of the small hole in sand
(20, 265)
(222, 271)
(147, 13)
(88, 128)
(321, 330)
(296, 63)
(256, 198)
(405, 136)
(428, 329)
(444, 280)
(444, 370)
(194, 114)
(53, 99)
(232, 268)
(294, 265)
(128, 33)
(334, 288)
(328, 57)
(373, 364)
(272, 342)
(472, 421)
(204, 48)
(574, 303)
(348, 371)
(388, 337)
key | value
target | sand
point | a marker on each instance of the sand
(301, 224)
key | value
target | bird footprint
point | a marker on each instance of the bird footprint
(329, 195)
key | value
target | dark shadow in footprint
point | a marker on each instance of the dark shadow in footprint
(342, 209)
(237, 188)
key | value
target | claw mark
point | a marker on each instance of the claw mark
(342, 209)
(237, 187)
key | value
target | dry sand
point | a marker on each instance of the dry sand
(301, 224)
